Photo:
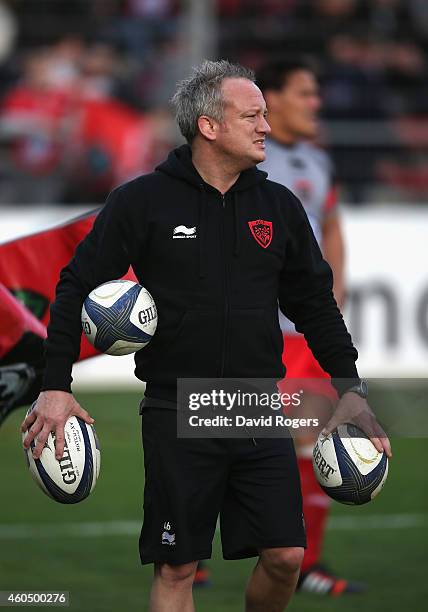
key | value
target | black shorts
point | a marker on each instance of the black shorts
(253, 486)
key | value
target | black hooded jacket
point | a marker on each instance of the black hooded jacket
(216, 281)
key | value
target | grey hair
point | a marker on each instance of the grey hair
(201, 94)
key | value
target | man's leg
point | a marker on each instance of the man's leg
(262, 517)
(181, 505)
(172, 588)
(273, 580)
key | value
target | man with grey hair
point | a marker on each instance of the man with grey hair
(245, 245)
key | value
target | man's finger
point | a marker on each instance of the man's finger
(33, 431)
(386, 446)
(377, 444)
(330, 427)
(41, 440)
(28, 421)
(379, 434)
(59, 442)
(384, 440)
(83, 414)
(30, 418)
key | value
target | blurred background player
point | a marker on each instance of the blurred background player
(292, 96)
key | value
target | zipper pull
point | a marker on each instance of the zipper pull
(223, 199)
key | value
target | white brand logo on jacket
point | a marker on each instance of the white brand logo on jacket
(181, 231)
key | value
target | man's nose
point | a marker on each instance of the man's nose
(264, 126)
(316, 103)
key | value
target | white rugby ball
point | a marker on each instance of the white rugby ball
(119, 317)
(72, 478)
(348, 467)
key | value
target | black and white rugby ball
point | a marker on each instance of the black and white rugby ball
(348, 467)
(119, 317)
(71, 479)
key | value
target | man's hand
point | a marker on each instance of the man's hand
(52, 410)
(354, 409)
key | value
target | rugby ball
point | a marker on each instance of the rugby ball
(119, 317)
(348, 467)
(71, 479)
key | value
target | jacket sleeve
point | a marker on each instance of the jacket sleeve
(306, 297)
(104, 254)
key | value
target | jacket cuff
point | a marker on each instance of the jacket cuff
(344, 375)
(57, 376)
(343, 384)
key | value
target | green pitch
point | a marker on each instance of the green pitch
(91, 549)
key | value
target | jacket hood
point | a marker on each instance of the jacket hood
(179, 165)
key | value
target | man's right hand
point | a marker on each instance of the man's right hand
(51, 412)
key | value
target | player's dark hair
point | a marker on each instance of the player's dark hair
(275, 73)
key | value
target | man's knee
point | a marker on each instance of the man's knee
(280, 563)
(176, 575)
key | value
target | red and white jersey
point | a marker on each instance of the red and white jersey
(308, 172)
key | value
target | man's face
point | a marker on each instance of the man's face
(241, 135)
(296, 105)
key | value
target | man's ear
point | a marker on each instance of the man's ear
(207, 127)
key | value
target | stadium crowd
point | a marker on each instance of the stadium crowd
(84, 88)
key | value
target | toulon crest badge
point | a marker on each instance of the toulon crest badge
(261, 231)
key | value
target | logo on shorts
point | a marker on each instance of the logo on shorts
(181, 231)
(168, 538)
(261, 231)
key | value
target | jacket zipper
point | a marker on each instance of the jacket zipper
(226, 289)
(226, 297)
